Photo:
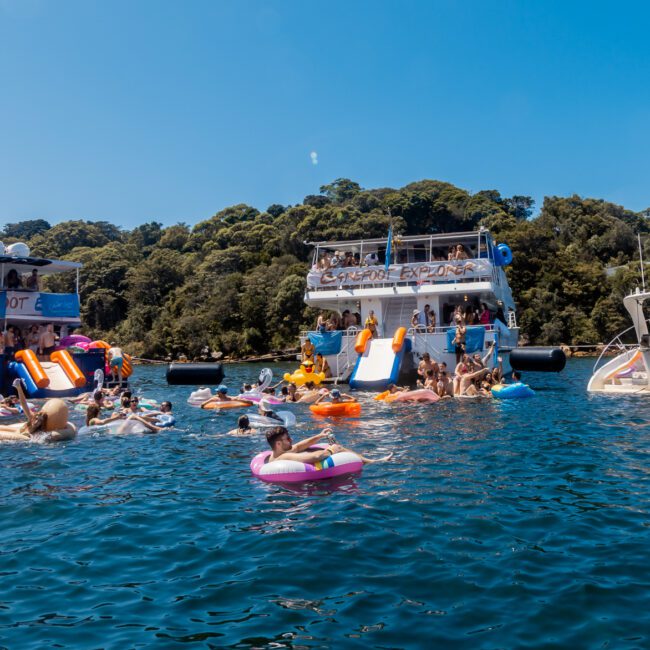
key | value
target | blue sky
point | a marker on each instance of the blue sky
(132, 111)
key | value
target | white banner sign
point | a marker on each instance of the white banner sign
(23, 303)
(422, 273)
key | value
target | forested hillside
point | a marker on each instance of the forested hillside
(235, 282)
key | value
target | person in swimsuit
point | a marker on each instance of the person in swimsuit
(426, 364)
(445, 386)
(47, 342)
(243, 427)
(39, 423)
(308, 350)
(265, 409)
(220, 396)
(115, 361)
(459, 338)
(322, 365)
(93, 419)
(11, 405)
(162, 418)
(283, 449)
(336, 397)
(372, 323)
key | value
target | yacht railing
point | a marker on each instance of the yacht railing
(345, 350)
(342, 360)
(419, 335)
(619, 344)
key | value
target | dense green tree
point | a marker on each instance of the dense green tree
(24, 230)
(236, 282)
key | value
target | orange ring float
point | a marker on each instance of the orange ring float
(343, 409)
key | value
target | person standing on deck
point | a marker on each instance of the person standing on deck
(115, 361)
(372, 323)
(47, 342)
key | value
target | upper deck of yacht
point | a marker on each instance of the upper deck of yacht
(425, 261)
(21, 297)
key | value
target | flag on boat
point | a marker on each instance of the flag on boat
(389, 245)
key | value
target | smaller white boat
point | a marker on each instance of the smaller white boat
(629, 372)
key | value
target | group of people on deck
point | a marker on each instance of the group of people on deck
(340, 259)
(15, 282)
(41, 339)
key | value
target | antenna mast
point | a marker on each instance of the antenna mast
(641, 261)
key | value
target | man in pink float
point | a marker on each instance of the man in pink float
(282, 448)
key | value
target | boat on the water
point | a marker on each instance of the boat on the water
(415, 283)
(65, 370)
(629, 371)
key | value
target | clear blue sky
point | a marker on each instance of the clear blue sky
(140, 110)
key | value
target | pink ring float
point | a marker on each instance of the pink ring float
(293, 471)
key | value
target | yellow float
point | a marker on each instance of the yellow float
(304, 374)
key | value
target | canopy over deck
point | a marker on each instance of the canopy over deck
(44, 266)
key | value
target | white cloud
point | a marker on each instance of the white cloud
(314, 158)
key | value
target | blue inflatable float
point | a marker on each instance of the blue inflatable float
(506, 254)
(509, 391)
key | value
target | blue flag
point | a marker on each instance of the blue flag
(389, 245)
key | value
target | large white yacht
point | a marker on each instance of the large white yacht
(418, 288)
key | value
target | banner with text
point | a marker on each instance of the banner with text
(421, 273)
(41, 305)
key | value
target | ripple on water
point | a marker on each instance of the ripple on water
(497, 524)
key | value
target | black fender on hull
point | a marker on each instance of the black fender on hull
(538, 359)
(194, 374)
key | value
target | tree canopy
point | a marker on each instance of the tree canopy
(235, 282)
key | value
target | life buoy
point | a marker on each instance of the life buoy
(506, 253)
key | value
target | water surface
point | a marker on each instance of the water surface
(497, 525)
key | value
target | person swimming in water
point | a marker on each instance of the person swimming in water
(220, 396)
(336, 397)
(243, 427)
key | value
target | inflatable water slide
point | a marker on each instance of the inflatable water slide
(380, 361)
(59, 377)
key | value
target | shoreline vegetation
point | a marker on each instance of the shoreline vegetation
(231, 287)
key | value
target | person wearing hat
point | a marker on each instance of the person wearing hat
(265, 409)
(336, 397)
(220, 396)
(416, 322)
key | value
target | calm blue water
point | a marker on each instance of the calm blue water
(497, 525)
